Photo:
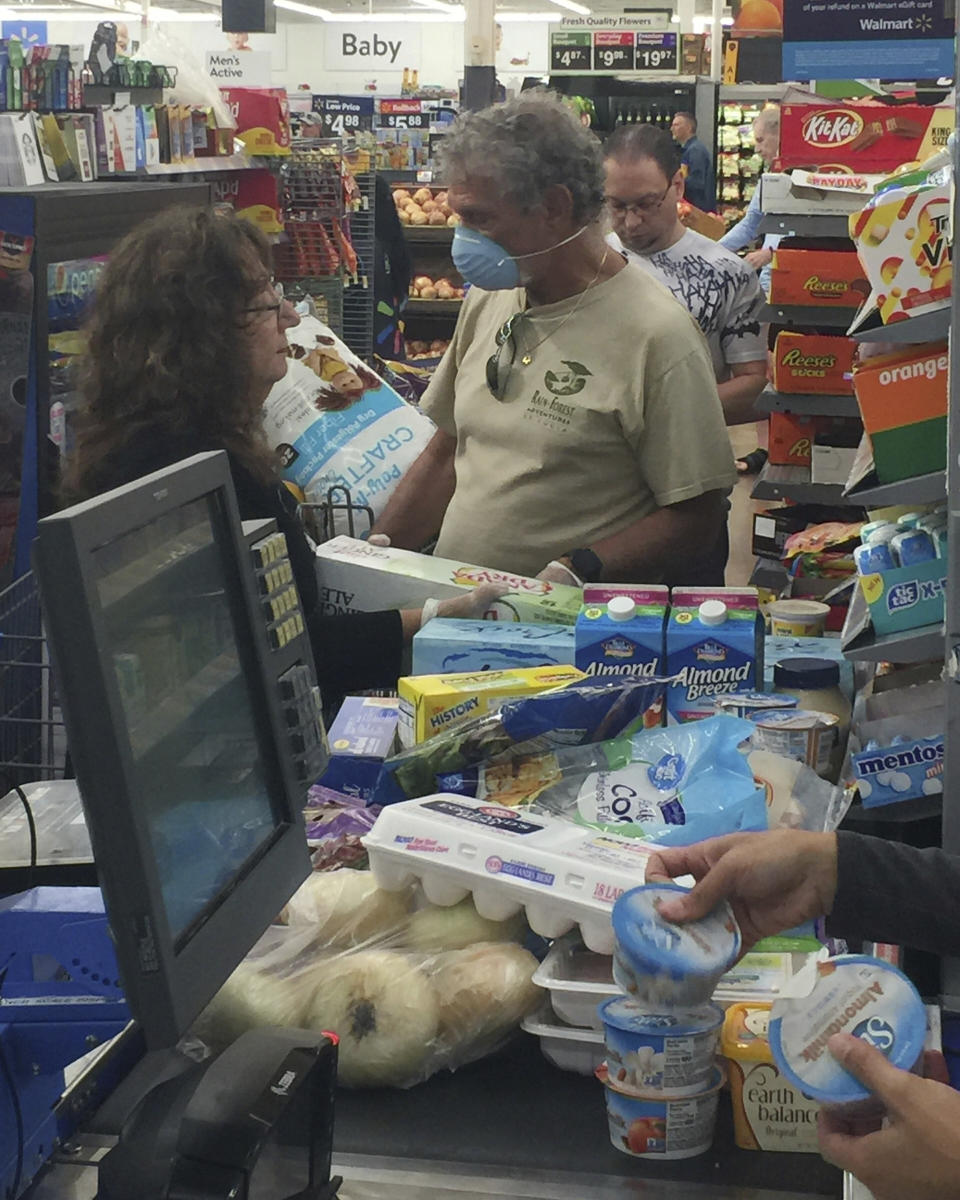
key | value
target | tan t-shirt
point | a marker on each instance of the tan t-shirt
(616, 415)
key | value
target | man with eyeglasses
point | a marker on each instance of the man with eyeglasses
(580, 436)
(643, 184)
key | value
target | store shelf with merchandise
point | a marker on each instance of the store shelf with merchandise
(824, 225)
(861, 643)
(927, 327)
(920, 489)
(794, 483)
(808, 404)
(803, 314)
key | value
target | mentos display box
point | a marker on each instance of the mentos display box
(714, 647)
(620, 630)
(906, 771)
(866, 138)
(903, 402)
(444, 645)
(361, 737)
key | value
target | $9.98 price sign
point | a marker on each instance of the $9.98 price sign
(613, 51)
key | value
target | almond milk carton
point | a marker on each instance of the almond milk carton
(714, 647)
(619, 631)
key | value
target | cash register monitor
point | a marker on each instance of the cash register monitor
(170, 694)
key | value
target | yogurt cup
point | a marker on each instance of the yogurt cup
(663, 965)
(798, 618)
(662, 1127)
(852, 993)
(672, 1053)
(807, 737)
(745, 704)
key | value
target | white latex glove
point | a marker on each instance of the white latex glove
(556, 572)
(469, 607)
(379, 539)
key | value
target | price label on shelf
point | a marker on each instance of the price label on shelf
(613, 51)
(571, 51)
(343, 116)
(656, 53)
(403, 121)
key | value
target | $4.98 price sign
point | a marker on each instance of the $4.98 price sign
(343, 117)
(571, 51)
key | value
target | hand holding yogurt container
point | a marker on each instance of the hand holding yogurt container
(660, 1078)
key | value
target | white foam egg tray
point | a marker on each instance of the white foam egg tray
(561, 874)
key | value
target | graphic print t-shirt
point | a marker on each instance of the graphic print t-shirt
(616, 415)
(719, 290)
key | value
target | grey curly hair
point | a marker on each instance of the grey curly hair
(526, 146)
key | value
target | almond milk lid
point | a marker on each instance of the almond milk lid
(653, 945)
(621, 608)
(852, 993)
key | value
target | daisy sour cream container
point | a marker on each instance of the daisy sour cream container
(663, 965)
(855, 994)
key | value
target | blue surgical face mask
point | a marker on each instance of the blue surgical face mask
(484, 262)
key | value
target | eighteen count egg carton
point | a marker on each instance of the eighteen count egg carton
(561, 874)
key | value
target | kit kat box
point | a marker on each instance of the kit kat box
(863, 138)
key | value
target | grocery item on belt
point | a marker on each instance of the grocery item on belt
(444, 645)
(670, 1052)
(520, 728)
(714, 646)
(361, 736)
(743, 704)
(852, 993)
(674, 785)
(561, 874)
(661, 1127)
(357, 577)
(806, 737)
(430, 704)
(620, 632)
(769, 1113)
(659, 963)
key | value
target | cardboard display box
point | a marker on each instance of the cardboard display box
(861, 138)
(791, 438)
(806, 273)
(813, 363)
(903, 402)
(906, 597)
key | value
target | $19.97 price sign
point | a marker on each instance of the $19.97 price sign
(656, 53)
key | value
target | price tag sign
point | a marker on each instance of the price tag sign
(613, 51)
(571, 51)
(403, 120)
(656, 53)
(342, 116)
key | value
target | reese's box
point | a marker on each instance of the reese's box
(813, 363)
(903, 240)
(357, 577)
(903, 402)
(791, 439)
(263, 119)
(806, 273)
(430, 704)
(867, 138)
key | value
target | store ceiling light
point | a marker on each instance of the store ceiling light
(573, 7)
(172, 15)
(440, 6)
(455, 14)
(322, 14)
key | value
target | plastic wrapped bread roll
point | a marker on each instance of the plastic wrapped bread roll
(250, 999)
(385, 1011)
(484, 992)
(437, 929)
(346, 908)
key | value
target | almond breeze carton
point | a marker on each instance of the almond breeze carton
(714, 647)
(357, 577)
(620, 630)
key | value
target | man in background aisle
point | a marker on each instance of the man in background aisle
(766, 136)
(643, 184)
(580, 436)
(700, 186)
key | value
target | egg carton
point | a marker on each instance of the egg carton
(570, 1049)
(562, 875)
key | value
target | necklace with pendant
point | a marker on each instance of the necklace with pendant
(527, 358)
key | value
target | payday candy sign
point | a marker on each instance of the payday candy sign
(876, 39)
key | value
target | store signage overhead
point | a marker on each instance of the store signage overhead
(232, 68)
(389, 47)
(401, 114)
(341, 116)
(877, 39)
(617, 44)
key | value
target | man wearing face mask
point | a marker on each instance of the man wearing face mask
(580, 435)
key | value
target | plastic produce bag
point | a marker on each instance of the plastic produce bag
(410, 989)
(335, 423)
(570, 716)
(194, 86)
(676, 785)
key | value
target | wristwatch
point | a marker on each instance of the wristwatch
(586, 564)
